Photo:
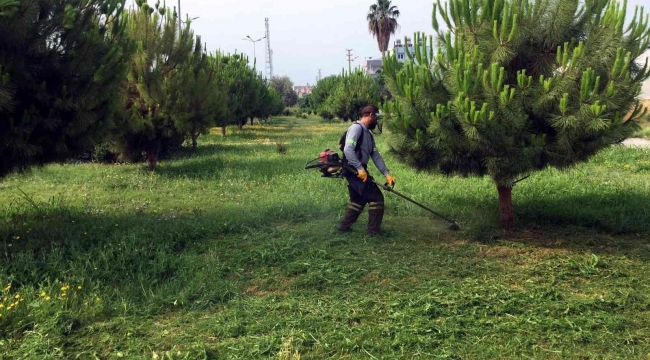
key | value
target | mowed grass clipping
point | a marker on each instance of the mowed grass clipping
(230, 253)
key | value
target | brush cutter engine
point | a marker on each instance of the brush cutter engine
(329, 163)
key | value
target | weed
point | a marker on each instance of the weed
(282, 148)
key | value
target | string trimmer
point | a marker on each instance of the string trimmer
(330, 165)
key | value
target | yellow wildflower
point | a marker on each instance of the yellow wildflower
(79, 287)
(47, 298)
(43, 294)
(99, 299)
(62, 294)
(1, 306)
(17, 296)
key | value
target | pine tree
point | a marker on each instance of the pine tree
(238, 79)
(322, 91)
(353, 92)
(269, 101)
(61, 67)
(517, 86)
(202, 101)
(154, 89)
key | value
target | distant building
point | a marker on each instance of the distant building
(303, 90)
(399, 49)
(374, 66)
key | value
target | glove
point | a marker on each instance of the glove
(361, 174)
(390, 180)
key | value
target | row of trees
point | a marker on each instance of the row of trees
(344, 95)
(76, 73)
(517, 86)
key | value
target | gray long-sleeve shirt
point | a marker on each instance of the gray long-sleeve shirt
(367, 150)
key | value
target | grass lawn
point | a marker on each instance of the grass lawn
(231, 254)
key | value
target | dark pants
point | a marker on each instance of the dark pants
(371, 195)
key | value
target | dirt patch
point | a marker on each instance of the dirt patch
(637, 143)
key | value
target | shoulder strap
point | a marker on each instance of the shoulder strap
(356, 148)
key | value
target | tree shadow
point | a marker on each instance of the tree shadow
(617, 222)
(212, 149)
(213, 167)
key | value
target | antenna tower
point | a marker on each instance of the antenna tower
(269, 52)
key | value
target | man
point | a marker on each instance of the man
(359, 148)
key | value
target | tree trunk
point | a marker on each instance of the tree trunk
(251, 121)
(506, 210)
(241, 125)
(194, 137)
(152, 156)
(223, 131)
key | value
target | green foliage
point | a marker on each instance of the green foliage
(284, 86)
(292, 111)
(203, 102)
(325, 114)
(242, 83)
(154, 103)
(517, 86)
(61, 68)
(269, 101)
(382, 22)
(305, 102)
(322, 91)
(353, 92)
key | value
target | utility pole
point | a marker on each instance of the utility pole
(319, 75)
(249, 38)
(180, 27)
(350, 60)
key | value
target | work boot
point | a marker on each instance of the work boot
(375, 217)
(350, 217)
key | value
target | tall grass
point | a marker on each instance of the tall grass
(231, 253)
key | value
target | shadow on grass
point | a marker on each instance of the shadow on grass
(157, 260)
(213, 167)
(592, 222)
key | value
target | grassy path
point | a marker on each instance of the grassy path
(231, 254)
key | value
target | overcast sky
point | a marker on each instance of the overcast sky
(306, 35)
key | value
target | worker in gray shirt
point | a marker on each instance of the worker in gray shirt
(359, 148)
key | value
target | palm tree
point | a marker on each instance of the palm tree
(382, 23)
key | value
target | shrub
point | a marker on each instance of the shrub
(325, 114)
